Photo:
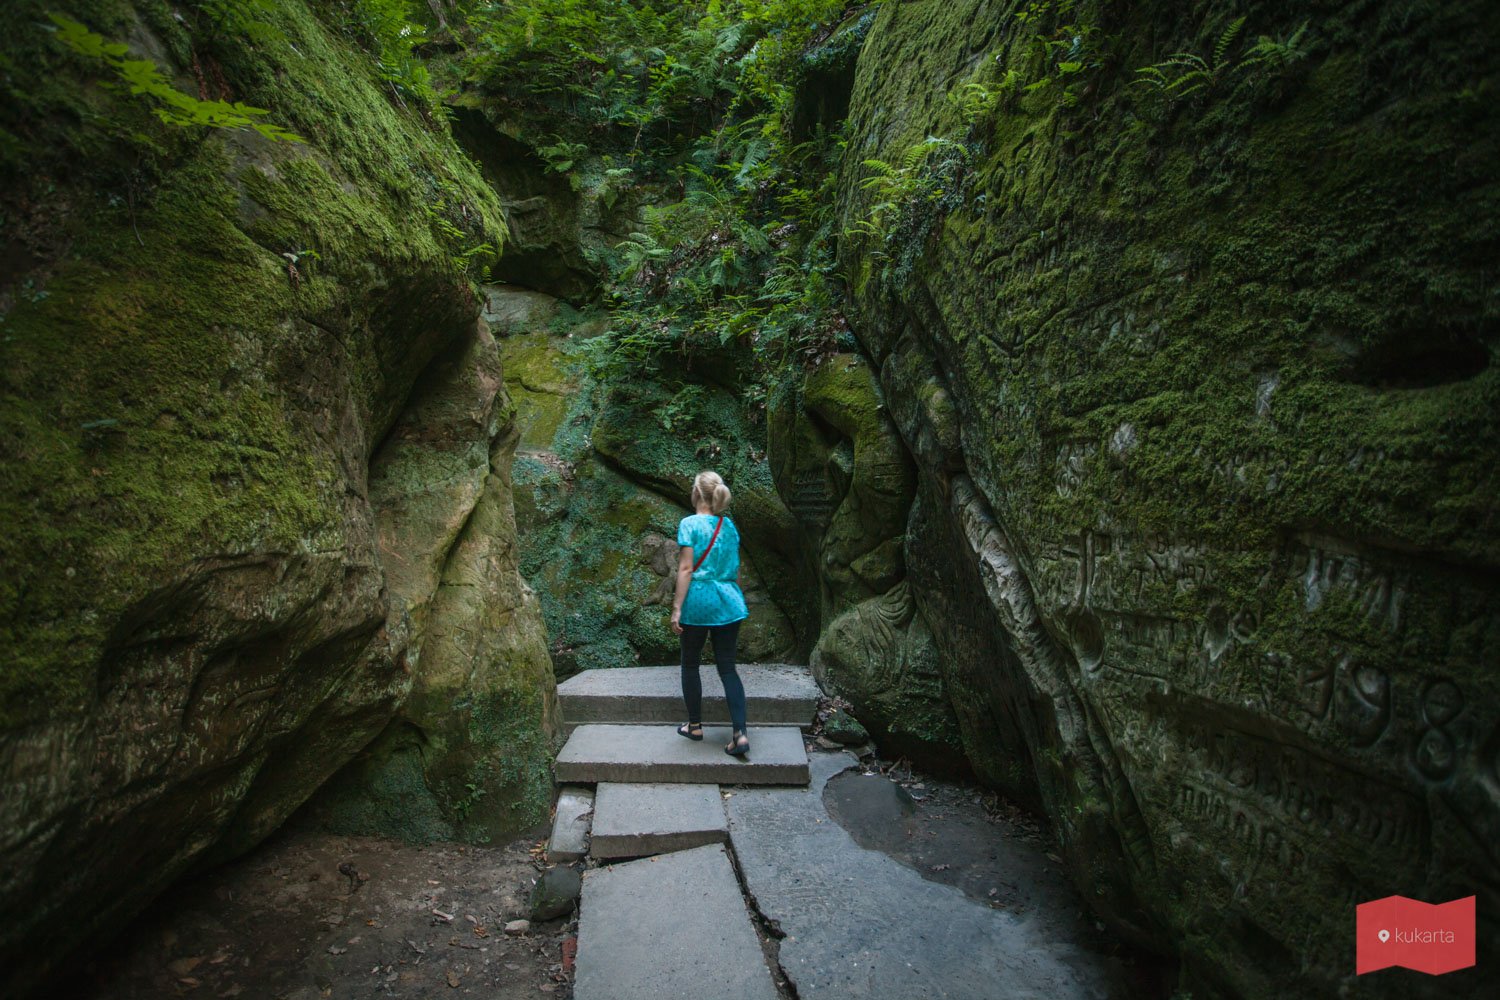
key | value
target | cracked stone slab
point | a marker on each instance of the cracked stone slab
(570, 825)
(775, 694)
(862, 926)
(673, 927)
(631, 820)
(597, 753)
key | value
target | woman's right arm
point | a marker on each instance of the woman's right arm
(684, 580)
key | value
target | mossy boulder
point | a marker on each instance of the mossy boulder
(1203, 395)
(880, 656)
(205, 339)
(841, 468)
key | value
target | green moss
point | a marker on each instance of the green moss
(1247, 250)
(143, 406)
(539, 379)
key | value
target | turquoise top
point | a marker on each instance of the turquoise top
(713, 598)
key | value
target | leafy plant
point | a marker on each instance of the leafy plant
(392, 36)
(679, 411)
(692, 98)
(561, 155)
(464, 806)
(1278, 53)
(977, 101)
(905, 192)
(1062, 47)
(1184, 73)
(448, 220)
(244, 18)
(141, 78)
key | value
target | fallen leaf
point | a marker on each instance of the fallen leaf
(1053, 857)
(453, 979)
(334, 949)
(189, 982)
(183, 966)
(481, 932)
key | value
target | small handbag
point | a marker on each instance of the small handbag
(711, 541)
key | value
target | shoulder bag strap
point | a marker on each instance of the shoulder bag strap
(711, 541)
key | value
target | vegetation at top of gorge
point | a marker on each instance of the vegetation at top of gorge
(698, 103)
(693, 101)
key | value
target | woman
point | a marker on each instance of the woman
(708, 602)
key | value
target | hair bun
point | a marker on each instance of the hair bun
(709, 490)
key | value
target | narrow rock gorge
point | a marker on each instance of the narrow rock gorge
(1106, 390)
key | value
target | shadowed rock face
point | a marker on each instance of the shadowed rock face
(223, 570)
(1210, 574)
(842, 470)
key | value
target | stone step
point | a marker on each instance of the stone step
(620, 753)
(670, 926)
(633, 820)
(570, 825)
(775, 694)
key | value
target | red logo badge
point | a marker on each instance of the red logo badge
(1427, 937)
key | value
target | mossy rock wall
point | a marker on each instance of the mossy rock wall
(1203, 399)
(600, 487)
(201, 618)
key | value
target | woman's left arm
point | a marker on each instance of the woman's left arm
(684, 580)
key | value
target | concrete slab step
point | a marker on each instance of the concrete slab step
(603, 752)
(775, 694)
(633, 820)
(570, 825)
(673, 926)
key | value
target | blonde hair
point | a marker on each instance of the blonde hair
(709, 489)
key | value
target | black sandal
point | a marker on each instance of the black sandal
(738, 749)
(686, 729)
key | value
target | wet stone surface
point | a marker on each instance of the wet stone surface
(997, 854)
(872, 911)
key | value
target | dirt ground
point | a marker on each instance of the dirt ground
(288, 922)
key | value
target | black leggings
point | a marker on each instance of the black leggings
(726, 637)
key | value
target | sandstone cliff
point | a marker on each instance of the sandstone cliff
(1198, 386)
(255, 471)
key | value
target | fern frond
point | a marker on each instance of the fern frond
(1226, 39)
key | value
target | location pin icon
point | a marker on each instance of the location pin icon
(1384, 936)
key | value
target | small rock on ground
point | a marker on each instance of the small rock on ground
(841, 727)
(554, 893)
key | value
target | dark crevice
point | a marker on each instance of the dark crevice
(1421, 361)
(768, 930)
